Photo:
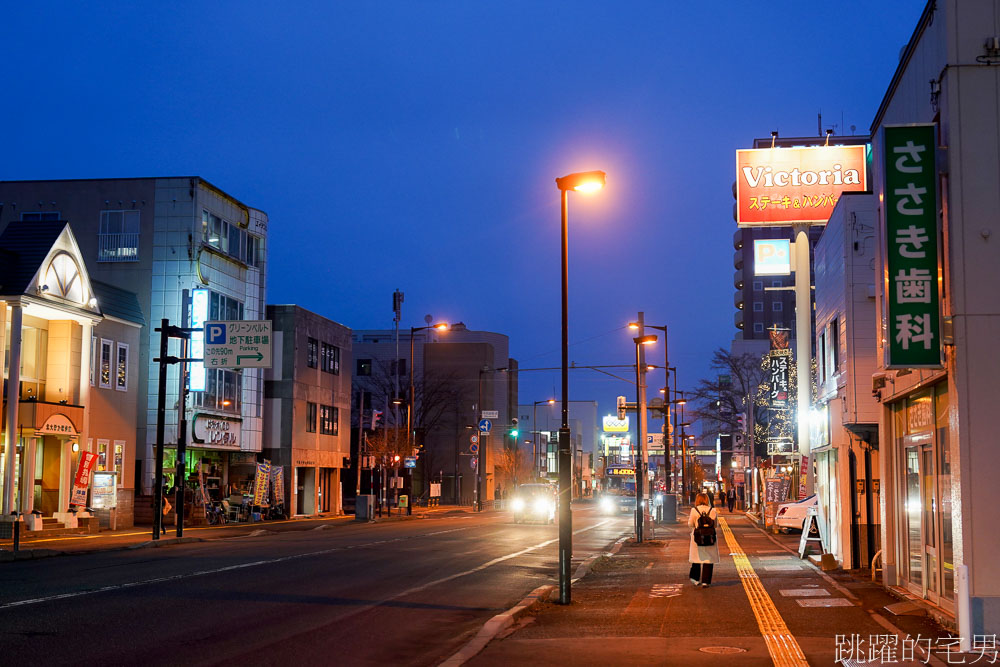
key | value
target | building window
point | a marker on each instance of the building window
(758, 327)
(118, 237)
(39, 216)
(230, 239)
(364, 368)
(329, 420)
(330, 359)
(758, 306)
(758, 286)
(776, 307)
(121, 367)
(120, 462)
(93, 360)
(775, 283)
(105, 376)
(312, 353)
(223, 391)
(222, 307)
(834, 346)
(310, 417)
(102, 455)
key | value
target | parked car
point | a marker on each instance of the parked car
(791, 515)
(534, 502)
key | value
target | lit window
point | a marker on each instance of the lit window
(105, 371)
(330, 359)
(121, 367)
(328, 420)
(312, 353)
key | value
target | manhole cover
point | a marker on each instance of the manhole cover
(722, 650)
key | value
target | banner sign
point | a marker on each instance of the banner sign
(614, 425)
(278, 480)
(82, 479)
(911, 252)
(778, 381)
(620, 471)
(260, 483)
(786, 186)
(779, 338)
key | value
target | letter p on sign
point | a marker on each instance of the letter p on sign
(217, 334)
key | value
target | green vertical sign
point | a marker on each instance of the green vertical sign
(911, 240)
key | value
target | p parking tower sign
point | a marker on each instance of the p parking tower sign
(238, 344)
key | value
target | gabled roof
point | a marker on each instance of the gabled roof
(25, 246)
(116, 302)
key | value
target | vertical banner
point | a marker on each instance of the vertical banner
(261, 482)
(278, 480)
(82, 479)
(778, 381)
(913, 308)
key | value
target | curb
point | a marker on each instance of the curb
(165, 542)
(497, 624)
(584, 569)
(29, 554)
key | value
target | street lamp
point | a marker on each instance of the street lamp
(440, 326)
(587, 181)
(640, 404)
(535, 432)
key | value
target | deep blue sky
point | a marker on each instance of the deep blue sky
(414, 145)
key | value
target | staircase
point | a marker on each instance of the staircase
(52, 527)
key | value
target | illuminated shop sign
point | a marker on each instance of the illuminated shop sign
(217, 432)
(620, 471)
(614, 425)
(772, 257)
(199, 315)
(785, 186)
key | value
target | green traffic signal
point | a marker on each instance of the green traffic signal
(513, 433)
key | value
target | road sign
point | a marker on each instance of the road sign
(238, 344)
(473, 448)
(491, 414)
(474, 439)
(485, 425)
(410, 462)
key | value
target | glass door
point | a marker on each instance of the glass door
(929, 505)
(921, 522)
(913, 516)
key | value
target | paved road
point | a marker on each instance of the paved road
(410, 592)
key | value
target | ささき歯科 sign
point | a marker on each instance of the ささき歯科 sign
(786, 186)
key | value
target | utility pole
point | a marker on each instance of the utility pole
(640, 409)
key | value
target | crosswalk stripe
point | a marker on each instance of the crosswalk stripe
(784, 650)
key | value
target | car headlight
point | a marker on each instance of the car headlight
(607, 504)
(541, 506)
(659, 498)
(517, 505)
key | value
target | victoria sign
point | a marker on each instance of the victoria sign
(786, 186)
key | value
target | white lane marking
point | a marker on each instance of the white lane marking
(271, 561)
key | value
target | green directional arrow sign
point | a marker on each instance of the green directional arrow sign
(255, 357)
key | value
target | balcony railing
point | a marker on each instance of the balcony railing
(118, 247)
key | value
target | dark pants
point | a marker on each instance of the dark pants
(702, 572)
(732, 501)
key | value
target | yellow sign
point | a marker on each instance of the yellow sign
(614, 425)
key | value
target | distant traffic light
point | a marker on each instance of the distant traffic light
(513, 427)
(621, 407)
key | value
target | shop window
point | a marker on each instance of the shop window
(310, 417)
(102, 455)
(328, 420)
(121, 367)
(119, 461)
(105, 363)
(330, 359)
(312, 353)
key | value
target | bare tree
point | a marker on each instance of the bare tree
(731, 392)
(509, 466)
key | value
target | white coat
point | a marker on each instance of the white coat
(698, 554)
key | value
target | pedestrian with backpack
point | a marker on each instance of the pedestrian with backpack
(703, 552)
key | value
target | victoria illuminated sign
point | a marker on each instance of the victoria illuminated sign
(785, 186)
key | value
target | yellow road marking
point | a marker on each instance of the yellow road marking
(781, 644)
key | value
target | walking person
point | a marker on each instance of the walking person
(731, 497)
(703, 552)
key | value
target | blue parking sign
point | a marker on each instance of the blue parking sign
(216, 334)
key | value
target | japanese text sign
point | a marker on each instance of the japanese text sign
(786, 186)
(911, 248)
(238, 344)
(778, 381)
(82, 479)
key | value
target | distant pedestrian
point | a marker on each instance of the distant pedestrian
(703, 552)
(711, 497)
(731, 498)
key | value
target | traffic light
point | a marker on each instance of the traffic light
(513, 427)
(621, 407)
(741, 421)
(376, 419)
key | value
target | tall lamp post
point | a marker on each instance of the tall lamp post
(534, 434)
(588, 181)
(440, 326)
(640, 407)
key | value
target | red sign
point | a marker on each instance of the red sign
(82, 479)
(785, 186)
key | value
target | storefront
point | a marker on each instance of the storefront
(922, 489)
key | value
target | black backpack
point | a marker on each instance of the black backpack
(704, 530)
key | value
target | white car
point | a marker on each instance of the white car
(791, 515)
(534, 502)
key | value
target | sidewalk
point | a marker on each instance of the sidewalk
(141, 536)
(765, 606)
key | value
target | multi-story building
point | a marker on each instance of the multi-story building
(307, 406)
(70, 374)
(844, 438)
(166, 239)
(937, 330)
(457, 374)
